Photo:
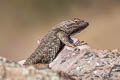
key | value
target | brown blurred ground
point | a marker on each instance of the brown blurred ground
(23, 22)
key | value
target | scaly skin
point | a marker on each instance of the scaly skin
(52, 43)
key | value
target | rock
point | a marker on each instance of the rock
(88, 64)
(10, 70)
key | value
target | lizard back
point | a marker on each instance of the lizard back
(47, 50)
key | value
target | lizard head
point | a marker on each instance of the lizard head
(72, 26)
(75, 25)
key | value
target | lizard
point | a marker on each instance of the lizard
(54, 41)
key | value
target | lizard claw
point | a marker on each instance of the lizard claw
(83, 43)
(76, 49)
(79, 43)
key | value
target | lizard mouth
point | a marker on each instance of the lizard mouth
(84, 24)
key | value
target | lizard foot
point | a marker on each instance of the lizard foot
(79, 43)
(76, 49)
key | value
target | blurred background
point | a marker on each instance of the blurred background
(23, 22)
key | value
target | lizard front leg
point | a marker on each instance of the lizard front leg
(66, 39)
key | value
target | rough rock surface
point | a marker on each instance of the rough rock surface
(89, 64)
(10, 70)
(83, 64)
